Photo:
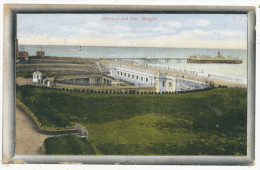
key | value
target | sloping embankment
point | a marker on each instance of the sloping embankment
(39, 126)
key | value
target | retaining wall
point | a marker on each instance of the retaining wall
(40, 129)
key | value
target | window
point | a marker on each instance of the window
(170, 84)
(142, 78)
(146, 79)
(136, 77)
(121, 73)
(163, 83)
(117, 72)
(133, 76)
(125, 74)
(128, 75)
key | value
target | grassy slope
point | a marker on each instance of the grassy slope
(210, 122)
(70, 145)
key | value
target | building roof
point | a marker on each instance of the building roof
(37, 72)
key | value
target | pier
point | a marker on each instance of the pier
(149, 59)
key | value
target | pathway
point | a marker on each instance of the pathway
(28, 140)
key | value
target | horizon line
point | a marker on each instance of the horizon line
(131, 46)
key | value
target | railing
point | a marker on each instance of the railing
(83, 84)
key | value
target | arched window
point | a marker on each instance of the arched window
(163, 83)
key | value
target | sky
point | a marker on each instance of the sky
(222, 31)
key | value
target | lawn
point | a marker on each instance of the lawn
(211, 122)
(71, 145)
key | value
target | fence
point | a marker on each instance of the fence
(120, 91)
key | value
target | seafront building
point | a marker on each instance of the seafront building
(40, 53)
(162, 82)
(137, 77)
(37, 77)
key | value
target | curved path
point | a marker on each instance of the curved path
(28, 141)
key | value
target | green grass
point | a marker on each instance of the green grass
(68, 145)
(209, 122)
(24, 74)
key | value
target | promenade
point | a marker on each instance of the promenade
(214, 79)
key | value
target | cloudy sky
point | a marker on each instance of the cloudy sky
(147, 30)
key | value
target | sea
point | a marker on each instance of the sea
(235, 70)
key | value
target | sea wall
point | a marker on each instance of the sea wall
(183, 85)
(227, 78)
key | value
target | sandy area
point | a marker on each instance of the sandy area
(28, 140)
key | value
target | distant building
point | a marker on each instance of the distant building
(48, 83)
(37, 77)
(219, 55)
(23, 54)
(40, 53)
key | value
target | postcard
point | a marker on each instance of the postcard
(131, 84)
